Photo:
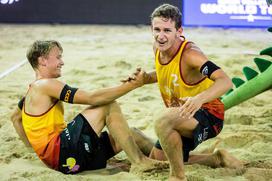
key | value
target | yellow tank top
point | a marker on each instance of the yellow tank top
(43, 132)
(171, 82)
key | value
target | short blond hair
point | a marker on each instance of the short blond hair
(40, 48)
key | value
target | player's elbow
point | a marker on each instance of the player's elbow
(16, 117)
(228, 84)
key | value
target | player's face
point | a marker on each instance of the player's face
(54, 62)
(165, 33)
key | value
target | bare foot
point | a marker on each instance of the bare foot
(177, 179)
(147, 165)
(227, 160)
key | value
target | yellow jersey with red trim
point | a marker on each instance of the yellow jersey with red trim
(173, 87)
(43, 133)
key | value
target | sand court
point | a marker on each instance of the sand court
(100, 56)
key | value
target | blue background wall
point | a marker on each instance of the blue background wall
(238, 13)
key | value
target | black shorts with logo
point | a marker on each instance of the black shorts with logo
(209, 126)
(81, 149)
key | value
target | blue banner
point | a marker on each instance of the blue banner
(227, 13)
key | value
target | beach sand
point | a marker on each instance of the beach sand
(100, 56)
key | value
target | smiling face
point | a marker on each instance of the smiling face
(45, 57)
(165, 33)
(53, 62)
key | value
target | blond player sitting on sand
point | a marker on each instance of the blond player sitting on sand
(80, 145)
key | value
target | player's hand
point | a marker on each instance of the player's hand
(138, 77)
(132, 76)
(190, 106)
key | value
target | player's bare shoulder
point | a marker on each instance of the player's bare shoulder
(193, 55)
(41, 84)
(191, 49)
(47, 86)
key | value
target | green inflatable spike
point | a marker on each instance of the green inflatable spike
(262, 64)
(269, 29)
(222, 97)
(249, 89)
(237, 81)
(229, 91)
(249, 73)
(267, 51)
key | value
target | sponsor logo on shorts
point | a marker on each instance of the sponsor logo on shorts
(67, 134)
(87, 148)
(205, 133)
(200, 138)
(203, 136)
(71, 164)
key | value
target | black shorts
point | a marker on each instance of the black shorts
(81, 149)
(209, 126)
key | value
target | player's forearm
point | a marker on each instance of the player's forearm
(107, 95)
(220, 87)
(20, 131)
(16, 119)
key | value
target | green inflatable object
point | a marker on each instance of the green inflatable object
(267, 51)
(249, 73)
(256, 83)
(262, 64)
(237, 81)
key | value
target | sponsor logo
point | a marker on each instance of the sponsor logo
(199, 138)
(205, 133)
(205, 70)
(204, 136)
(249, 10)
(7, 2)
(67, 134)
(71, 164)
(67, 95)
(87, 148)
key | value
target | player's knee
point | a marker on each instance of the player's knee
(110, 107)
(162, 124)
(114, 106)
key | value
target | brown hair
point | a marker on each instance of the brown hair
(40, 48)
(168, 11)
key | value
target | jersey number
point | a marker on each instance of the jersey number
(175, 79)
